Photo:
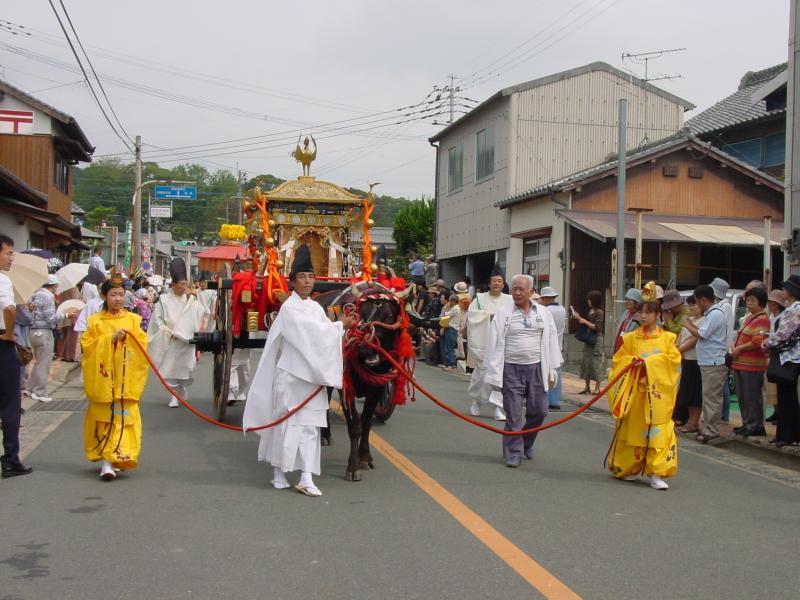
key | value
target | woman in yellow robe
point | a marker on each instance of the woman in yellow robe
(114, 376)
(643, 399)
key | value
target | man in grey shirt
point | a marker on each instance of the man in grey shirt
(43, 313)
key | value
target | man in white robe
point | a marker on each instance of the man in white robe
(303, 351)
(479, 316)
(176, 317)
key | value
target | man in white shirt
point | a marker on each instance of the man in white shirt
(479, 316)
(10, 397)
(522, 358)
(97, 261)
(549, 299)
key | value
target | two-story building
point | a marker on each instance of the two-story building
(523, 137)
(38, 146)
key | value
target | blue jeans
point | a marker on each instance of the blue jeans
(448, 342)
(554, 395)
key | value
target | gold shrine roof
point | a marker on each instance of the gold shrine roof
(310, 189)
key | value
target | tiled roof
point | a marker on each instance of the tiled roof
(738, 108)
(682, 138)
(76, 210)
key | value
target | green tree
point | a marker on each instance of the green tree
(413, 227)
(98, 216)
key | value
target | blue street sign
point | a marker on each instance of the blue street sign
(175, 192)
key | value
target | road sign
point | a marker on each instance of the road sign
(161, 212)
(175, 192)
(146, 266)
(145, 253)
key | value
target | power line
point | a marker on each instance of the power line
(86, 77)
(91, 66)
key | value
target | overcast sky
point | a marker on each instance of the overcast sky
(270, 69)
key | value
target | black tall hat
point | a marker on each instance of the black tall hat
(302, 261)
(380, 254)
(497, 270)
(177, 270)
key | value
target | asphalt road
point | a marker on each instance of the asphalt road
(199, 519)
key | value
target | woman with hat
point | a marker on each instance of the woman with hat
(643, 399)
(785, 343)
(631, 302)
(690, 390)
(114, 376)
(673, 312)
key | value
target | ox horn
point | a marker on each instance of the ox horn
(402, 295)
(355, 291)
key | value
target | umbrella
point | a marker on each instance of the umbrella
(53, 262)
(69, 306)
(95, 276)
(69, 276)
(27, 275)
(155, 280)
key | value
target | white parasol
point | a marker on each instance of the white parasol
(28, 273)
(69, 306)
(70, 275)
(155, 280)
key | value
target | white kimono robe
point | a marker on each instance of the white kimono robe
(479, 316)
(302, 352)
(494, 360)
(172, 326)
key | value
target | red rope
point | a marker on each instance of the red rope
(463, 417)
(208, 419)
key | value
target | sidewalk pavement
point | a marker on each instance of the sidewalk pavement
(572, 385)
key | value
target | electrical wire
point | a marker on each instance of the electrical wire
(91, 66)
(86, 77)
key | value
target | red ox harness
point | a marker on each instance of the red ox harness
(403, 351)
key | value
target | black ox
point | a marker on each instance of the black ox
(376, 314)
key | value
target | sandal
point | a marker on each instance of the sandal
(687, 429)
(585, 391)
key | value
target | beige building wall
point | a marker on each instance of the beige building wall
(569, 125)
(467, 221)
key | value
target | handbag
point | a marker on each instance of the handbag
(782, 374)
(24, 354)
(586, 335)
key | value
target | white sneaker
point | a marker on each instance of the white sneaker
(173, 403)
(657, 483)
(475, 409)
(231, 396)
(499, 415)
(39, 398)
(630, 478)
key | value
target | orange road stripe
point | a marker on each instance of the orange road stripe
(527, 568)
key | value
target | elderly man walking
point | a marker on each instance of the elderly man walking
(522, 358)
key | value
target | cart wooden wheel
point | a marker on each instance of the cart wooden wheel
(385, 407)
(223, 356)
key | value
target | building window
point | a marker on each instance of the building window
(769, 151)
(61, 173)
(536, 260)
(484, 165)
(455, 168)
(775, 149)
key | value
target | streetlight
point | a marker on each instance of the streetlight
(136, 256)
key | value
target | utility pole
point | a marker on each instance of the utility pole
(238, 192)
(791, 205)
(136, 235)
(452, 94)
(621, 166)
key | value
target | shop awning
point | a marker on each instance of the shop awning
(671, 228)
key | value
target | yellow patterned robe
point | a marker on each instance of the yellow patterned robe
(113, 379)
(642, 403)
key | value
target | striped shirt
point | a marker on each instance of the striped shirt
(752, 360)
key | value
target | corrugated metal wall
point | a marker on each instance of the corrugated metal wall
(468, 221)
(570, 125)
